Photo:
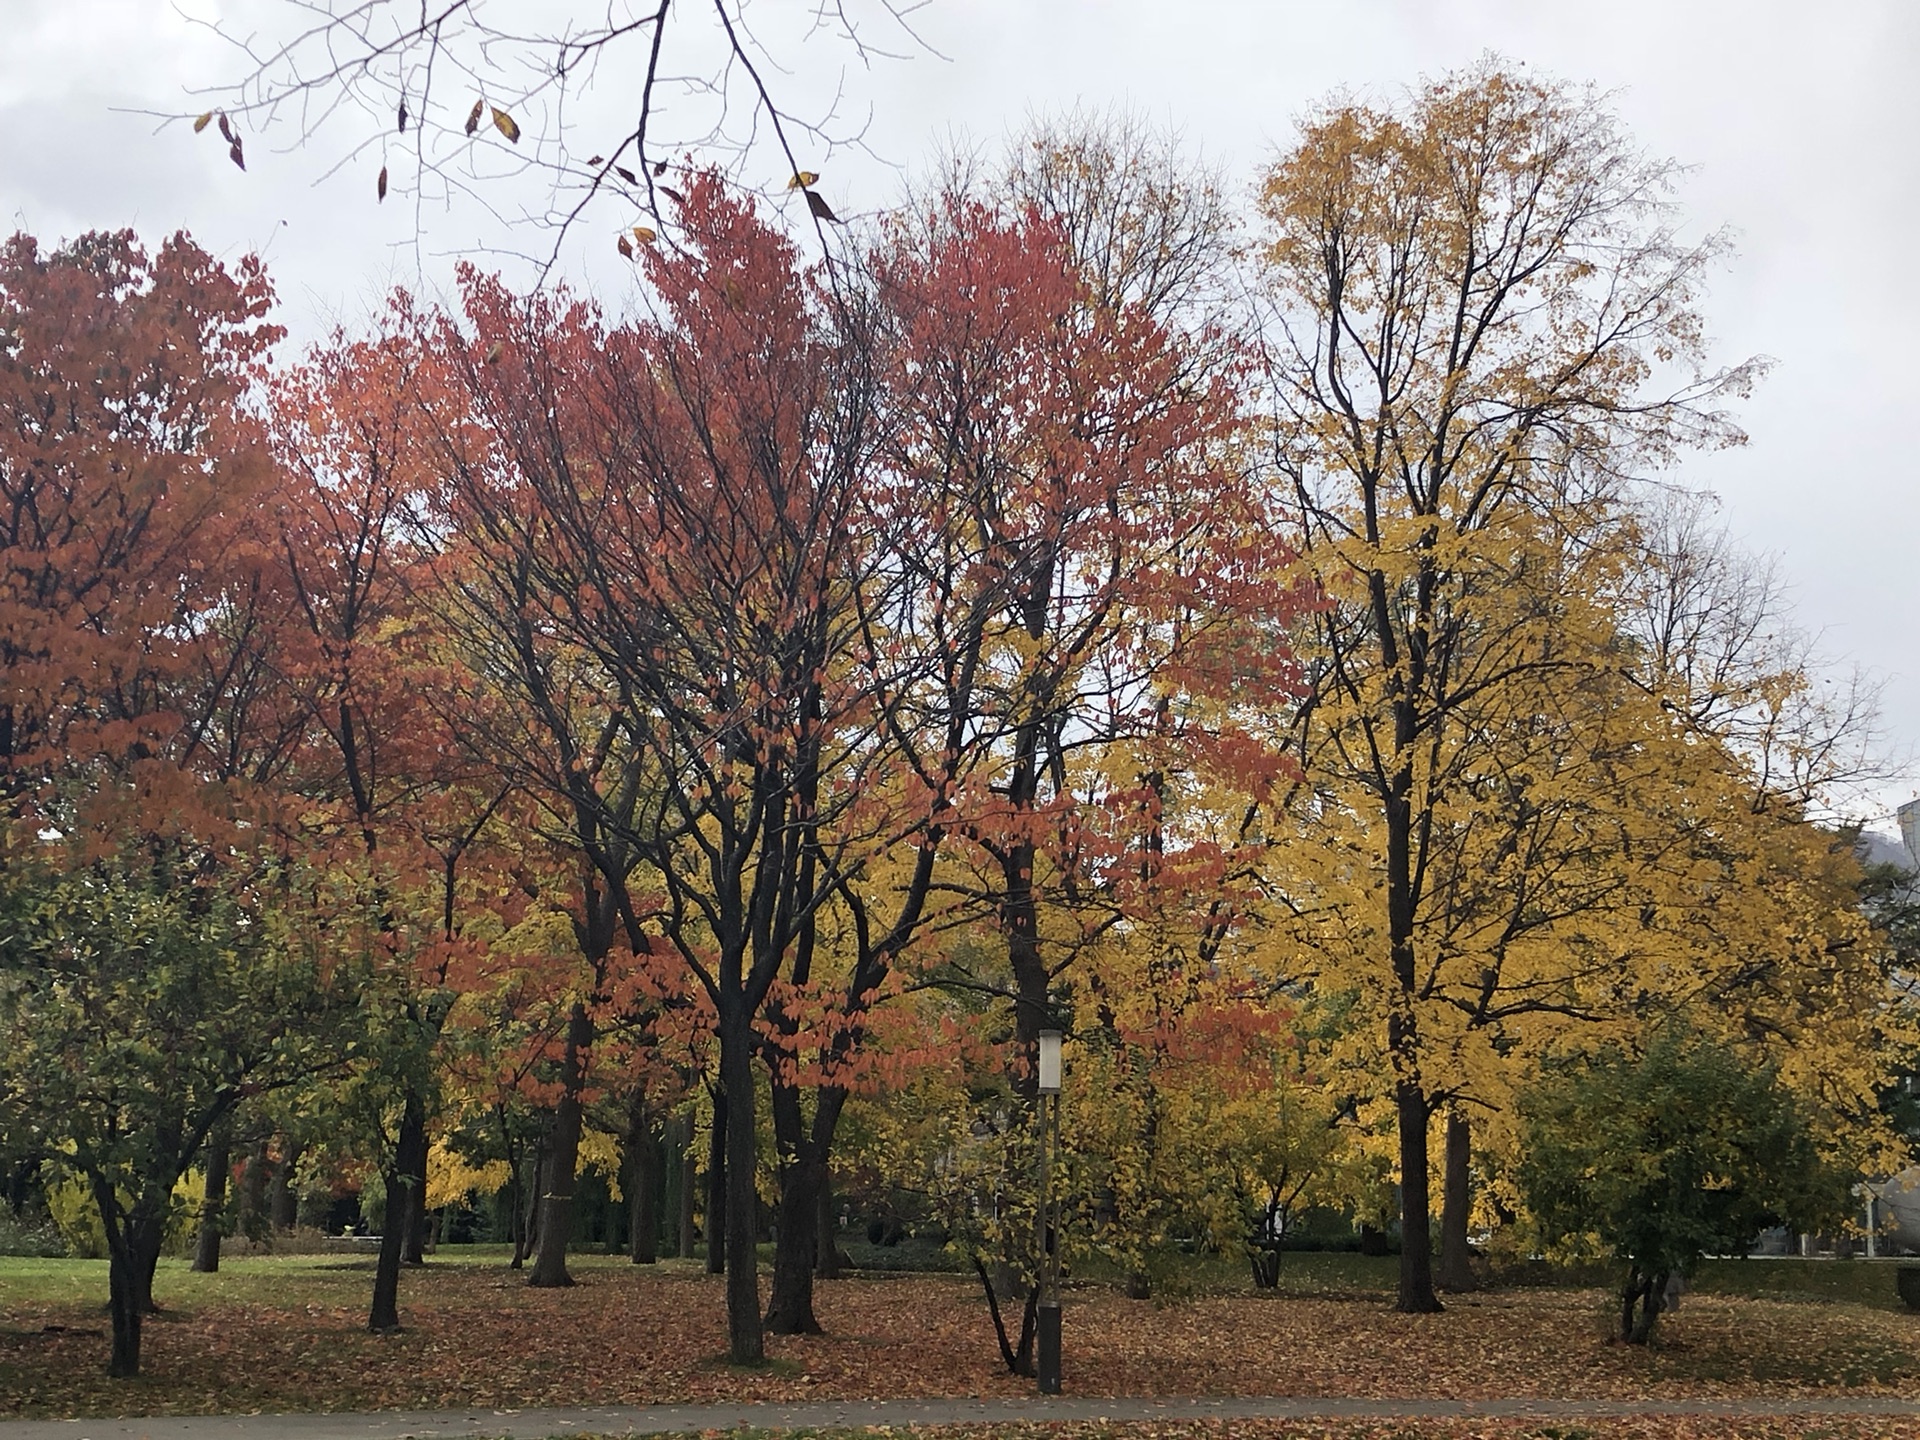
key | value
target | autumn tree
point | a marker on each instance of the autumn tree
(129, 585)
(671, 533)
(1478, 300)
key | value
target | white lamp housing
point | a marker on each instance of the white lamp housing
(1049, 1062)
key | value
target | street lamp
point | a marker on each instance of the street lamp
(1048, 1086)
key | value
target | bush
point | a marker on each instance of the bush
(38, 1238)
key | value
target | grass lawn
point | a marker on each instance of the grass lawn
(285, 1333)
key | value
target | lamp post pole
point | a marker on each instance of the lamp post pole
(1048, 1314)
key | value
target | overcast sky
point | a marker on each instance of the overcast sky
(1801, 123)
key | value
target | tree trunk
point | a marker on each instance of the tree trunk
(416, 1248)
(1649, 1291)
(644, 1154)
(130, 1266)
(282, 1198)
(746, 1343)
(717, 1186)
(1416, 1295)
(206, 1251)
(253, 1221)
(826, 1242)
(1456, 1207)
(803, 1179)
(688, 1187)
(563, 1159)
(408, 1173)
(790, 1308)
(527, 1207)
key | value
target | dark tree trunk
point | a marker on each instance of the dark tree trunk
(644, 1154)
(797, 1231)
(206, 1250)
(746, 1342)
(130, 1268)
(527, 1215)
(1017, 1358)
(1648, 1292)
(1456, 1207)
(826, 1243)
(563, 1158)
(282, 1198)
(804, 1156)
(407, 1174)
(416, 1248)
(133, 1250)
(717, 1186)
(1416, 1295)
(254, 1222)
(688, 1190)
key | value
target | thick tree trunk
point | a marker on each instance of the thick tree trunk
(790, 1308)
(1456, 1207)
(416, 1247)
(130, 1266)
(717, 1186)
(804, 1154)
(133, 1250)
(688, 1188)
(746, 1342)
(644, 1154)
(826, 1242)
(1417, 1295)
(407, 1174)
(563, 1159)
(206, 1250)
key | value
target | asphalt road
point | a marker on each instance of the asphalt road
(685, 1419)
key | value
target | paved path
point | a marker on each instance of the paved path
(684, 1419)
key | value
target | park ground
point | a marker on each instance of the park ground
(281, 1334)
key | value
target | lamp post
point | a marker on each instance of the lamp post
(1048, 1088)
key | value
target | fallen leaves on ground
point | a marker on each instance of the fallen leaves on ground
(478, 1336)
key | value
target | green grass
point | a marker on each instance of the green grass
(1861, 1282)
(264, 1279)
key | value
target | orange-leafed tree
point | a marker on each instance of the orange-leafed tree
(127, 565)
(381, 786)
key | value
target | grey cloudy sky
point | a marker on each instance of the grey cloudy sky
(1802, 123)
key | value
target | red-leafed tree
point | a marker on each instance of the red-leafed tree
(128, 566)
(383, 789)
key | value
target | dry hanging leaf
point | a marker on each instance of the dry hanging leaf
(821, 210)
(403, 115)
(226, 130)
(802, 179)
(645, 234)
(626, 174)
(235, 154)
(596, 160)
(673, 195)
(624, 246)
(505, 124)
(473, 115)
(382, 186)
(659, 169)
(202, 122)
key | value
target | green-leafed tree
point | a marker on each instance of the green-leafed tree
(143, 998)
(1658, 1157)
